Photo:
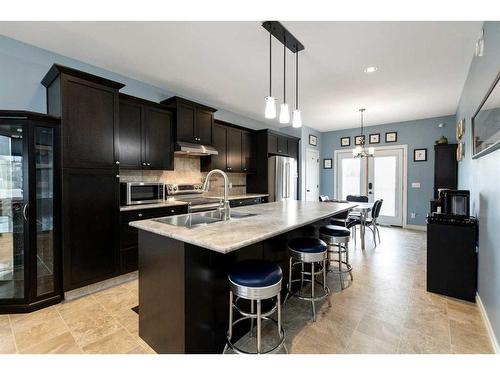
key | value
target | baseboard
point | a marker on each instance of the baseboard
(422, 228)
(101, 285)
(487, 323)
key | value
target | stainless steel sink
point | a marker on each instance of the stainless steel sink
(199, 218)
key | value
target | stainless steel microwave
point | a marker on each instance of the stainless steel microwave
(141, 193)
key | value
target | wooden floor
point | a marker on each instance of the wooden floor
(385, 310)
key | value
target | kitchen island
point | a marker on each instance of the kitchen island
(183, 288)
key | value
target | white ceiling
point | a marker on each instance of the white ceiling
(422, 66)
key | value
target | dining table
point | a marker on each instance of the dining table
(363, 209)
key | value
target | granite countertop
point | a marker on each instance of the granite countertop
(173, 202)
(241, 196)
(167, 203)
(271, 219)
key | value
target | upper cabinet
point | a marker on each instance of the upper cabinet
(193, 122)
(235, 148)
(146, 135)
(278, 144)
(88, 107)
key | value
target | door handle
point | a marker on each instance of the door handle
(25, 212)
(370, 185)
(308, 190)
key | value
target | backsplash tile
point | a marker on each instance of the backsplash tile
(187, 170)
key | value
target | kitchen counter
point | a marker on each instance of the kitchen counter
(271, 219)
(183, 287)
(167, 203)
(241, 196)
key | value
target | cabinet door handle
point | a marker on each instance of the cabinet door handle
(172, 211)
(117, 176)
(149, 164)
(117, 162)
(140, 215)
(25, 212)
(143, 164)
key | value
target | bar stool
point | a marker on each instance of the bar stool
(302, 251)
(255, 280)
(337, 239)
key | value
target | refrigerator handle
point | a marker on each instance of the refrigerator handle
(287, 176)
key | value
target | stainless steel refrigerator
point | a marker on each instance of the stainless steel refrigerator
(283, 178)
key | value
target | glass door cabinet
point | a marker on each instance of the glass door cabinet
(30, 255)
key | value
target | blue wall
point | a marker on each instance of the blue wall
(415, 134)
(22, 66)
(482, 176)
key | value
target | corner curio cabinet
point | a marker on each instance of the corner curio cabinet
(29, 211)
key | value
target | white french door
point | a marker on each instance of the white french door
(378, 177)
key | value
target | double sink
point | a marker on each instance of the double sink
(199, 218)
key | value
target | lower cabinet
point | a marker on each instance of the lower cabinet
(129, 237)
(90, 226)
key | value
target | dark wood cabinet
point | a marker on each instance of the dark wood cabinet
(247, 152)
(282, 145)
(272, 143)
(218, 161)
(293, 148)
(158, 140)
(89, 110)
(146, 135)
(90, 226)
(233, 150)
(445, 167)
(193, 121)
(129, 236)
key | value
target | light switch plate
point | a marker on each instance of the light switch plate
(415, 185)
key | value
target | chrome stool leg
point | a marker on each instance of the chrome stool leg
(312, 291)
(230, 328)
(258, 327)
(289, 286)
(252, 310)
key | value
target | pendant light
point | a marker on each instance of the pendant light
(360, 151)
(270, 111)
(297, 116)
(284, 113)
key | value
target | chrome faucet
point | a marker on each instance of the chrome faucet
(225, 208)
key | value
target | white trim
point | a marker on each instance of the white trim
(422, 228)
(405, 173)
(489, 328)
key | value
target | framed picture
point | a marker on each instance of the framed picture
(374, 138)
(359, 140)
(486, 122)
(391, 137)
(420, 154)
(327, 163)
(345, 141)
(313, 140)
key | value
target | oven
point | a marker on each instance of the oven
(141, 193)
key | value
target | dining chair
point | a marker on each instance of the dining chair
(371, 223)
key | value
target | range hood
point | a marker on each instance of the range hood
(186, 148)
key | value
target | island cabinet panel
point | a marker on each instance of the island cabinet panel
(193, 122)
(89, 123)
(129, 241)
(233, 150)
(90, 226)
(184, 292)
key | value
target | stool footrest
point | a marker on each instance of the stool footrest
(326, 291)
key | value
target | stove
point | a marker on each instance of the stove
(192, 194)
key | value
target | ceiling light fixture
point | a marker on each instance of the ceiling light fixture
(277, 30)
(360, 151)
(284, 113)
(270, 111)
(297, 116)
(371, 69)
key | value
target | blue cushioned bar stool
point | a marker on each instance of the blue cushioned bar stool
(312, 252)
(255, 280)
(337, 239)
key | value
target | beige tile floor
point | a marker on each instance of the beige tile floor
(385, 310)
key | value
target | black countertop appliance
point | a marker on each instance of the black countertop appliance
(452, 255)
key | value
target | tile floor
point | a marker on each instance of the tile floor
(385, 310)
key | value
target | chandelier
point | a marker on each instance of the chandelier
(360, 150)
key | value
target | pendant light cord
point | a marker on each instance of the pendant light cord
(296, 79)
(284, 73)
(270, 65)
